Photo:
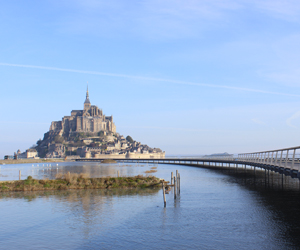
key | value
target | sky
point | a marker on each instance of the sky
(190, 77)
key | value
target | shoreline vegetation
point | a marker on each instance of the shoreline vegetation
(42, 160)
(108, 161)
(80, 181)
(23, 161)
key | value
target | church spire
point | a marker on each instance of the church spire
(87, 100)
(87, 103)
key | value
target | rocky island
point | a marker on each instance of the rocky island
(88, 133)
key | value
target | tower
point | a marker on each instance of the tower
(87, 103)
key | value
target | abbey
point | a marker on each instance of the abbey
(90, 119)
(88, 133)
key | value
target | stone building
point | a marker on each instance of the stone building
(89, 133)
(56, 150)
(28, 154)
(90, 119)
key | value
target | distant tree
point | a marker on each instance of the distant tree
(101, 133)
(79, 144)
(46, 135)
(39, 142)
(129, 139)
(93, 144)
(81, 134)
(71, 152)
(58, 139)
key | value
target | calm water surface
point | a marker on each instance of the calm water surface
(226, 209)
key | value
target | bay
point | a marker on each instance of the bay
(216, 209)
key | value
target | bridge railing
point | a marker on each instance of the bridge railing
(286, 157)
(227, 158)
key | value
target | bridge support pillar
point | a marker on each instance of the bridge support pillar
(265, 173)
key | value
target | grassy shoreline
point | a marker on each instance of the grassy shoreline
(23, 161)
(75, 181)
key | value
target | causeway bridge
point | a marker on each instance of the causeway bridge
(284, 161)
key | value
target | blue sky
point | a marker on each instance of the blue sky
(190, 77)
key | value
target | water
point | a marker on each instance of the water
(50, 170)
(226, 209)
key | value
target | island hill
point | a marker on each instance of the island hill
(88, 133)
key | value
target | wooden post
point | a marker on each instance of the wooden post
(178, 183)
(118, 173)
(174, 188)
(177, 180)
(19, 174)
(171, 178)
(164, 193)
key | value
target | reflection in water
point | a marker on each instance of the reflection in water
(217, 209)
(82, 212)
(279, 194)
(78, 194)
(260, 179)
(93, 169)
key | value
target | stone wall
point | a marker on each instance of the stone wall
(126, 156)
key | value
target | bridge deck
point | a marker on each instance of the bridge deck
(287, 168)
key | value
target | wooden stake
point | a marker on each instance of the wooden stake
(174, 188)
(171, 178)
(118, 173)
(19, 174)
(178, 183)
(164, 193)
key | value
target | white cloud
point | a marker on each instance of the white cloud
(289, 77)
(283, 9)
(284, 65)
(257, 121)
(156, 19)
(167, 128)
(151, 79)
(289, 121)
(18, 122)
